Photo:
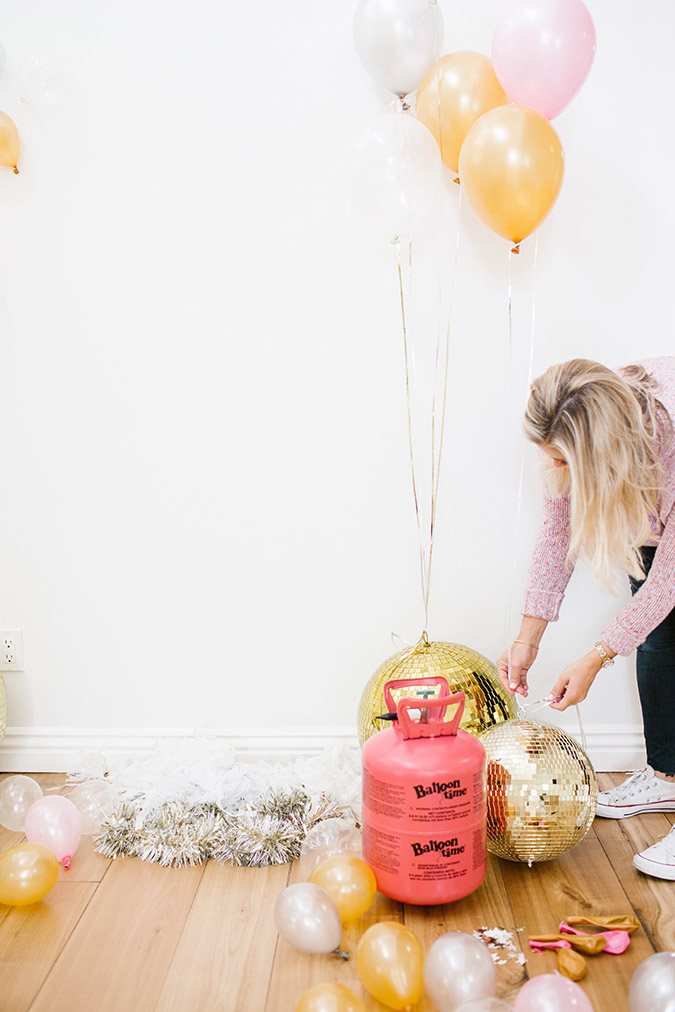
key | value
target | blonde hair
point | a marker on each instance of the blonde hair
(609, 429)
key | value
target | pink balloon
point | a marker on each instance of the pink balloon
(552, 993)
(542, 51)
(55, 822)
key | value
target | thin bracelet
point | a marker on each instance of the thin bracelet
(526, 644)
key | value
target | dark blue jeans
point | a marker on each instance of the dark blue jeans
(656, 684)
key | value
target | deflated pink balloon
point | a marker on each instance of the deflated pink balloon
(552, 993)
(542, 51)
(55, 822)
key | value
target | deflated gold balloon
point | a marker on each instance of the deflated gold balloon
(542, 792)
(453, 94)
(27, 873)
(9, 142)
(511, 169)
(331, 997)
(350, 883)
(390, 961)
(487, 701)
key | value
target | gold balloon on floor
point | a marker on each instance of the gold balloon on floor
(27, 873)
(542, 792)
(330, 997)
(9, 142)
(487, 701)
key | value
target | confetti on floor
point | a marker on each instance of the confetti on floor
(500, 944)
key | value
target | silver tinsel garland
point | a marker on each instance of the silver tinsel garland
(177, 834)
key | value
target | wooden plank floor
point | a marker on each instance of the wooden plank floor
(124, 936)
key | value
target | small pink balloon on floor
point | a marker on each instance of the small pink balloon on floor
(551, 992)
(55, 822)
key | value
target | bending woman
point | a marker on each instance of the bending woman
(610, 496)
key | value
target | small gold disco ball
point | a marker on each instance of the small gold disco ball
(487, 701)
(3, 708)
(541, 789)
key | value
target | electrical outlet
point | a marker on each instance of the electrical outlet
(11, 650)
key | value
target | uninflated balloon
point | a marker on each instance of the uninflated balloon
(349, 881)
(17, 794)
(27, 873)
(306, 916)
(331, 997)
(9, 142)
(454, 93)
(458, 968)
(55, 822)
(511, 169)
(390, 959)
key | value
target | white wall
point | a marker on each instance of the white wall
(205, 515)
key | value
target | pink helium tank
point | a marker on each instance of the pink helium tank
(424, 802)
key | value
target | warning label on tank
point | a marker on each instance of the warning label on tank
(382, 849)
(383, 798)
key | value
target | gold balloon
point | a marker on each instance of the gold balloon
(27, 873)
(9, 142)
(350, 883)
(541, 789)
(487, 701)
(511, 169)
(390, 960)
(330, 998)
(453, 94)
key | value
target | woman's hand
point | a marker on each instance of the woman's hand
(514, 679)
(575, 681)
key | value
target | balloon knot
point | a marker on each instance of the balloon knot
(66, 862)
(16, 171)
(457, 180)
(516, 248)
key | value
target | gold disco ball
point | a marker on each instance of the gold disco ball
(487, 701)
(541, 791)
(3, 708)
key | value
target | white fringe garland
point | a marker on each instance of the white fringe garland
(193, 801)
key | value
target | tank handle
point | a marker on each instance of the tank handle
(433, 729)
(400, 683)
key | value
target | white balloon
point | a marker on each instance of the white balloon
(94, 800)
(17, 794)
(306, 916)
(457, 969)
(41, 87)
(397, 173)
(652, 986)
(398, 40)
(327, 838)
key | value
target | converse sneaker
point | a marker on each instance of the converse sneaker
(659, 859)
(642, 792)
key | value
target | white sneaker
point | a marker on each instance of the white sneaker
(659, 859)
(643, 792)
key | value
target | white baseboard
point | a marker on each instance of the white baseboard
(59, 750)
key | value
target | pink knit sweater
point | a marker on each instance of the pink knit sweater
(549, 571)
